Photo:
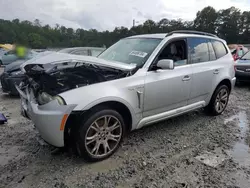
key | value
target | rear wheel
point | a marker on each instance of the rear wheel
(100, 134)
(219, 100)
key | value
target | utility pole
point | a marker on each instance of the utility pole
(133, 22)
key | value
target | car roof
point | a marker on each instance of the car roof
(156, 35)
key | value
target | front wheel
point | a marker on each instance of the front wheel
(100, 135)
(219, 100)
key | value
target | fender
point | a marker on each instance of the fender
(135, 117)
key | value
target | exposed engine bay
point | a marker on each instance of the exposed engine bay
(55, 79)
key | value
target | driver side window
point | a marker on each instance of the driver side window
(177, 51)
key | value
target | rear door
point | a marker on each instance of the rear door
(202, 61)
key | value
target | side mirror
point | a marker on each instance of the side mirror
(166, 64)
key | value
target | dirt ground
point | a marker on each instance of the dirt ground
(193, 150)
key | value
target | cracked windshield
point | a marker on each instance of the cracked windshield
(124, 94)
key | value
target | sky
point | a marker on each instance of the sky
(108, 14)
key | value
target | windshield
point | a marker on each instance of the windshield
(246, 56)
(131, 50)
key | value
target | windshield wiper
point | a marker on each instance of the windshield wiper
(244, 59)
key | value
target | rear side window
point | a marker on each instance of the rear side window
(219, 48)
(198, 50)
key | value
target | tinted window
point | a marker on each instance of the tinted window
(212, 55)
(219, 48)
(198, 50)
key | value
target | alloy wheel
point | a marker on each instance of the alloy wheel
(103, 136)
(221, 100)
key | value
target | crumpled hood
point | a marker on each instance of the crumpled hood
(57, 58)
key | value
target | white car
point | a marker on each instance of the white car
(90, 103)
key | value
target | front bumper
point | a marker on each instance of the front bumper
(47, 118)
(8, 83)
(242, 76)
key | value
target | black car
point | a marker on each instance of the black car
(12, 75)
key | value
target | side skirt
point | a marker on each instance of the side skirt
(172, 113)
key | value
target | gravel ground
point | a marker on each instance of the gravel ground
(192, 150)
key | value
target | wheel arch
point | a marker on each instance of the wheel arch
(226, 82)
(72, 123)
(118, 106)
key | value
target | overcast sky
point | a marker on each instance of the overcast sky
(108, 14)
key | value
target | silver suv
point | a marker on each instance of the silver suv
(90, 103)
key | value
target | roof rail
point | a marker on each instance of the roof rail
(191, 32)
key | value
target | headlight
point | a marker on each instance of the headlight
(60, 100)
(15, 73)
(45, 98)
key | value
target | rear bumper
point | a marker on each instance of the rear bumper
(47, 118)
(8, 83)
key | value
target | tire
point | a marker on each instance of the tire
(219, 100)
(93, 141)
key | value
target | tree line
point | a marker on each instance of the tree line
(230, 24)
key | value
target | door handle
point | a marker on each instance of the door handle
(186, 78)
(216, 71)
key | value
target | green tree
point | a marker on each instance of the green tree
(229, 24)
(206, 20)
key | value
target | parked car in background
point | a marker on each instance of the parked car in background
(10, 56)
(2, 51)
(88, 51)
(90, 103)
(242, 68)
(12, 74)
(237, 50)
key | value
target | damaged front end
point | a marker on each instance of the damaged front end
(49, 80)
(40, 93)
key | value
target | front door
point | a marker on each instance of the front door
(168, 89)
